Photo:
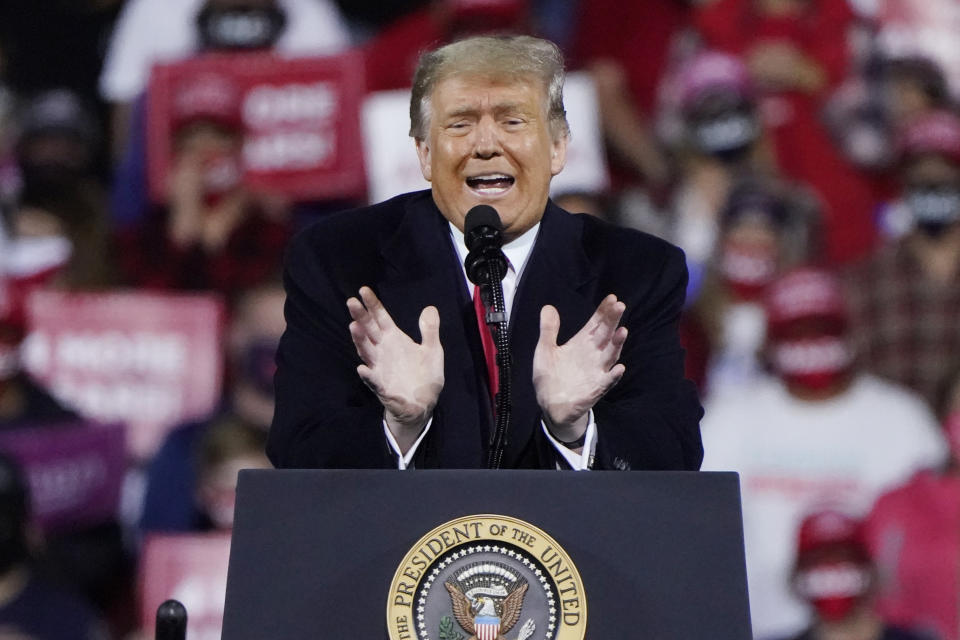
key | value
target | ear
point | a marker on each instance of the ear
(558, 155)
(423, 153)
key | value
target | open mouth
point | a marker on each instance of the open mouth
(490, 184)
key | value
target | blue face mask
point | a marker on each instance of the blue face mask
(935, 207)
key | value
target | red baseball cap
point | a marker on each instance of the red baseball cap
(830, 529)
(713, 71)
(207, 97)
(804, 293)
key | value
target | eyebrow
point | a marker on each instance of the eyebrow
(503, 107)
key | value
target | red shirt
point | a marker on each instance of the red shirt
(636, 35)
(914, 535)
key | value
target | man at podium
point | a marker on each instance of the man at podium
(384, 363)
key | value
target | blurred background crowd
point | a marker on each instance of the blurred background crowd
(805, 154)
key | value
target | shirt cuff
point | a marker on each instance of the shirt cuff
(405, 461)
(577, 461)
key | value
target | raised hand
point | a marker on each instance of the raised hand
(569, 379)
(407, 377)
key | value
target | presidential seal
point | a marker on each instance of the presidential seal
(486, 577)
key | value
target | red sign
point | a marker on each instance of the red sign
(191, 569)
(75, 472)
(151, 361)
(299, 119)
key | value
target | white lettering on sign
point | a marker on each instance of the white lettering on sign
(288, 151)
(120, 400)
(117, 352)
(269, 105)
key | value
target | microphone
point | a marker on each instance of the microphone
(483, 233)
(171, 621)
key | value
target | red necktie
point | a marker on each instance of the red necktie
(489, 348)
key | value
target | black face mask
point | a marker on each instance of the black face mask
(935, 207)
(240, 29)
(51, 178)
(727, 136)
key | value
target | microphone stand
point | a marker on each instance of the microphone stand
(496, 319)
(486, 265)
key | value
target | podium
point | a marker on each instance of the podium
(437, 555)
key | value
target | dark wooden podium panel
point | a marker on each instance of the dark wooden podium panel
(314, 552)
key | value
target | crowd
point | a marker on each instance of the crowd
(805, 155)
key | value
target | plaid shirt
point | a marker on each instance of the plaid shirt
(907, 326)
(253, 254)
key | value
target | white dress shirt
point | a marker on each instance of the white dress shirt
(517, 252)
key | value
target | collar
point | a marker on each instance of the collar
(517, 252)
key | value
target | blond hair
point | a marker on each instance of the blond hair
(511, 58)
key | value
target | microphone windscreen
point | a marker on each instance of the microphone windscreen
(171, 621)
(482, 215)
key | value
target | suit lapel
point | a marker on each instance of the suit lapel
(558, 273)
(422, 269)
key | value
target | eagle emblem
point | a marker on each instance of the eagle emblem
(487, 598)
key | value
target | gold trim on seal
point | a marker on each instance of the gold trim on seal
(571, 605)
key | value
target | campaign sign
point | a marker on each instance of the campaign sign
(393, 167)
(151, 361)
(189, 568)
(74, 471)
(299, 119)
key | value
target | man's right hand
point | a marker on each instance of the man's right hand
(407, 377)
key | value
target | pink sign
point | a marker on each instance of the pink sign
(151, 361)
(299, 119)
(74, 471)
(190, 568)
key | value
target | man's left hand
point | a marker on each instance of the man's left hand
(570, 379)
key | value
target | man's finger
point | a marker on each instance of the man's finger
(430, 327)
(376, 308)
(366, 374)
(612, 377)
(605, 320)
(363, 316)
(614, 348)
(361, 342)
(549, 325)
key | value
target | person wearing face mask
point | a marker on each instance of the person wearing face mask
(904, 298)
(57, 144)
(184, 484)
(764, 229)
(797, 51)
(819, 431)
(720, 145)
(212, 232)
(27, 261)
(150, 32)
(834, 574)
(155, 31)
(912, 531)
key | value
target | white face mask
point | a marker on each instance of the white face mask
(813, 363)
